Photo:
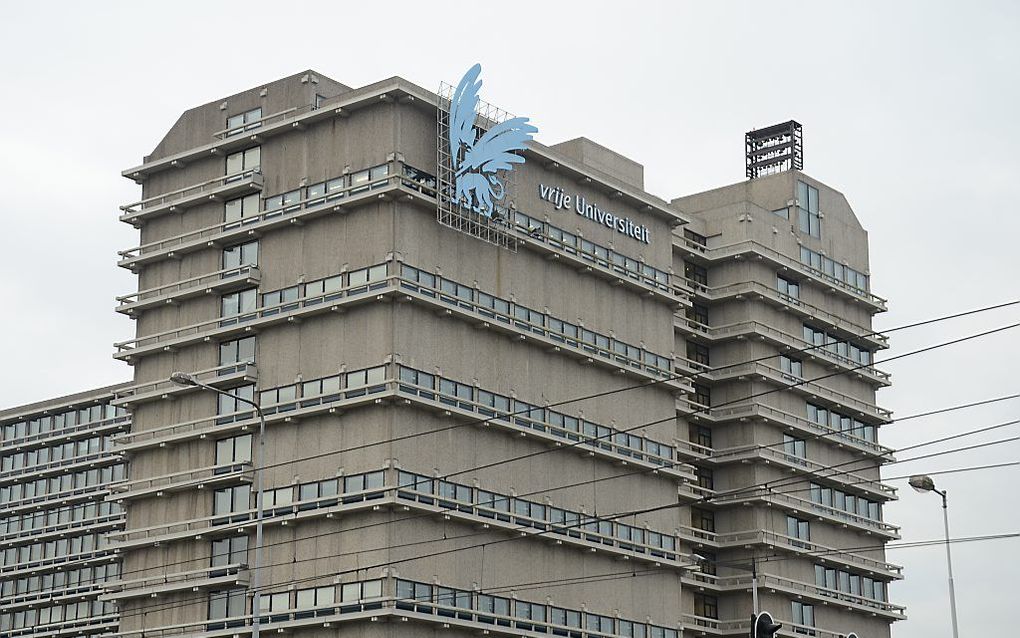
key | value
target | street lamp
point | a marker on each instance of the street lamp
(184, 379)
(924, 483)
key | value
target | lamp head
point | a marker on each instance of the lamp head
(922, 483)
(183, 378)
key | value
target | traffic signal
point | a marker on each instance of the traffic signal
(851, 635)
(763, 626)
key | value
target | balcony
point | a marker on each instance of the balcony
(810, 389)
(91, 625)
(102, 523)
(56, 563)
(200, 479)
(63, 466)
(801, 424)
(220, 282)
(740, 250)
(55, 596)
(111, 425)
(390, 183)
(216, 189)
(223, 377)
(800, 465)
(798, 346)
(225, 576)
(756, 290)
(772, 540)
(64, 497)
(833, 597)
(379, 599)
(382, 383)
(371, 288)
(803, 506)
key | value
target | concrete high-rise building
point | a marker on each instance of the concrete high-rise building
(603, 414)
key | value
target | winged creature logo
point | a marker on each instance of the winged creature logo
(477, 160)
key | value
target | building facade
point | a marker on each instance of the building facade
(631, 418)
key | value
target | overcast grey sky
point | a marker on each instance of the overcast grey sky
(909, 108)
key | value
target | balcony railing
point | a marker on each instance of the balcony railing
(786, 419)
(809, 549)
(350, 193)
(372, 385)
(224, 377)
(807, 466)
(65, 434)
(729, 251)
(202, 478)
(428, 603)
(794, 304)
(233, 575)
(215, 189)
(96, 523)
(806, 506)
(797, 384)
(799, 345)
(219, 282)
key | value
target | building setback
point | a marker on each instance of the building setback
(570, 437)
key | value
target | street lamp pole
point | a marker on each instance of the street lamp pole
(923, 483)
(184, 379)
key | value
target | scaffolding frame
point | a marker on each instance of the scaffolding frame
(497, 229)
(774, 149)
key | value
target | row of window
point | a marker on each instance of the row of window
(848, 583)
(499, 407)
(501, 507)
(40, 519)
(53, 582)
(242, 209)
(837, 346)
(849, 503)
(62, 483)
(590, 251)
(62, 547)
(58, 422)
(837, 271)
(246, 121)
(30, 618)
(532, 320)
(246, 302)
(841, 423)
(64, 452)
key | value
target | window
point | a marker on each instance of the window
(236, 449)
(782, 212)
(237, 351)
(286, 202)
(787, 288)
(240, 302)
(833, 270)
(706, 478)
(698, 314)
(241, 208)
(697, 353)
(234, 400)
(791, 366)
(242, 161)
(702, 395)
(230, 551)
(702, 519)
(244, 121)
(794, 446)
(321, 596)
(700, 240)
(808, 219)
(700, 435)
(695, 273)
(803, 615)
(226, 604)
(241, 255)
(706, 606)
(797, 528)
(232, 499)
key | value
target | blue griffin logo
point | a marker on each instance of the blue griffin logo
(476, 160)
